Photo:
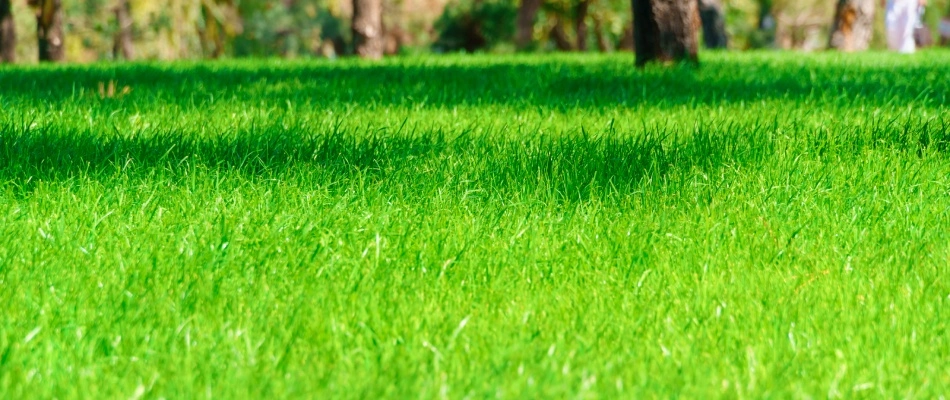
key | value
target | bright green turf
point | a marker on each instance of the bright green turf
(770, 225)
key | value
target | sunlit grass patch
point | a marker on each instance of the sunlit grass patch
(765, 225)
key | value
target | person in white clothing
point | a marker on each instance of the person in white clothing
(900, 20)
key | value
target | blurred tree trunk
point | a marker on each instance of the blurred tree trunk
(766, 20)
(603, 44)
(764, 36)
(561, 41)
(714, 24)
(220, 21)
(853, 25)
(7, 33)
(368, 28)
(626, 39)
(123, 35)
(209, 31)
(527, 12)
(49, 29)
(665, 31)
(580, 24)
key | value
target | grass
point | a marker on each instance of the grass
(770, 225)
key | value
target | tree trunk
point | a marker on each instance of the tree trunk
(767, 27)
(853, 25)
(603, 44)
(665, 30)
(626, 39)
(208, 32)
(7, 33)
(714, 24)
(368, 28)
(580, 24)
(766, 19)
(123, 35)
(527, 12)
(49, 30)
(561, 41)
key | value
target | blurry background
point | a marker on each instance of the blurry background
(194, 29)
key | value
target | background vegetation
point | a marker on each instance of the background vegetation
(173, 29)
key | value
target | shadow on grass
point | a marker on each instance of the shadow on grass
(572, 167)
(557, 83)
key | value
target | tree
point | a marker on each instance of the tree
(219, 23)
(764, 35)
(7, 33)
(603, 44)
(123, 35)
(49, 29)
(580, 24)
(853, 25)
(368, 28)
(524, 30)
(714, 24)
(665, 30)
(559, 36)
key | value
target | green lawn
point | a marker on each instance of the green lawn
(769, 225)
